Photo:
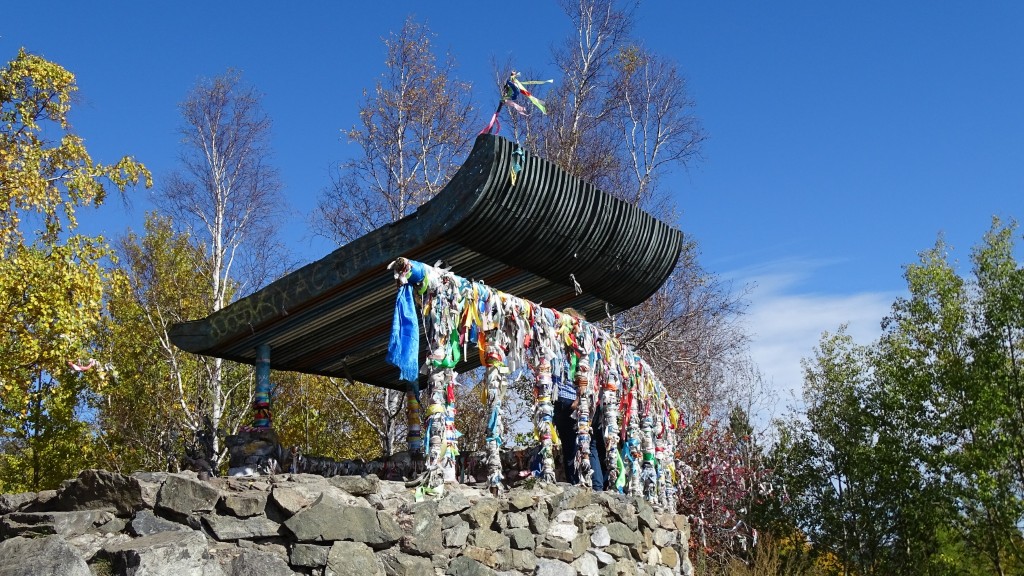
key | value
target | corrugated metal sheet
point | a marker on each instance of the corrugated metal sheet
(333, 316)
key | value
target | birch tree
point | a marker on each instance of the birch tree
(412, 134)
(307, 414)
(654, 117)
(578, 133)
(161, 390)
(620, 116)
(227, 195)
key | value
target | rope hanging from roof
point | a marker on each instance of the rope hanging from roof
(512, 333)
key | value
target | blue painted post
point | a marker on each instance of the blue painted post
(261, 401)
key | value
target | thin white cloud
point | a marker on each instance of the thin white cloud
(786, 321)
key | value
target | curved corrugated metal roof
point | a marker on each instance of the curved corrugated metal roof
(333, 316)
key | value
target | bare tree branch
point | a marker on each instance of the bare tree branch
(412, 134)
(228, 196)
(359, 411)
(413, 130)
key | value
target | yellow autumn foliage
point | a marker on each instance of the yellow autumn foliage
(51, 280)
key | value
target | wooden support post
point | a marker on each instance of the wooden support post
(610, 423)
(451, 436)
(543, 413)
(663, 456)
(261, 400)
(435, 391)
(633, 439)
(648, 474)
(584, 472)
(414, 422)
(497, 383)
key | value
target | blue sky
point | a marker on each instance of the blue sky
(843, 136)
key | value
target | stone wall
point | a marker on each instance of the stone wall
(154, 524)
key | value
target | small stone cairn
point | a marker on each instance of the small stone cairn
(157, 524)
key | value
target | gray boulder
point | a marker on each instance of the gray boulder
(145, 523)
(15, 502)
(466, 566)
(620, 508)
(45, 501)
(624, 568)
(245, 505)
(295, 496)
(400, 564)
(645, 514)
(600, 537)
(255, 562)
(572, 497)
(309, 555)
(49, 556)
(603, 558)
(102, 490)
(164, 554)
(520, 538)
(539, 522)
(150, 483)
(65, 524)
(183, 495)
(90, 543)
(328, 519)
(226, 528)
(619, 532)
(548, 567)
(520, 501)
(353, 559)
(586, 565)
(457, 535)
(356, 485)
(663, 538)
(482, 514)
(452, 502)
(423, 528)
(291, 500)
(524, 561)
(490, 540)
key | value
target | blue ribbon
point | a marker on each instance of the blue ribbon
(626, 449)
(426, 442)
(491, 423)
(404, 346)
(493, 420)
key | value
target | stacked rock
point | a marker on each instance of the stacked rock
(254, 451)
(160, 523)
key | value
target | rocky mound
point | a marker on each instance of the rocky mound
(155, 524)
